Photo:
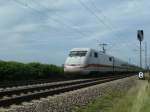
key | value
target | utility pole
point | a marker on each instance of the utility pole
(140, 36)
(149, 71)
(145, 55)
(103, 47)
(140, 54)
(149, 62)
(129, 60)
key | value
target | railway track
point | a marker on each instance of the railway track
(10, 84)
(28, 93)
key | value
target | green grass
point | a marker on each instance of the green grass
(104, 103)
(136, 99)
(146, 105)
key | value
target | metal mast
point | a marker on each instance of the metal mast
(103, 47)
(140, 54)
(145, 55)
(140, 36)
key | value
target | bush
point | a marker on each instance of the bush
(20, 71)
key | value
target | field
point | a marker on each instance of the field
(136, 99)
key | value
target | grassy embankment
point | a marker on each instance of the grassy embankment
(136, 99)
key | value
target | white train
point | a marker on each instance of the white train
(87, 60)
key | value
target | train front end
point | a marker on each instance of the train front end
(76, 61)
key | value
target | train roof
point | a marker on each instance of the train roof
(91, 49)
(81, 49)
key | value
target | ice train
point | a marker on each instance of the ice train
(87, 60)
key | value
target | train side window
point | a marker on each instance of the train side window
(95, 54)
(110, 58)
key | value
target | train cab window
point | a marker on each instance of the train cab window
(95, 54)
(77, 53)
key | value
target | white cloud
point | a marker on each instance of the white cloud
(53, 27)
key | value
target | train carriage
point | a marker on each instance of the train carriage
(87, 60)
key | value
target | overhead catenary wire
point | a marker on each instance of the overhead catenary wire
(100, 20)
(93, 13)
(110, 27)
(60, 16)
(100, 12)
(54, 19)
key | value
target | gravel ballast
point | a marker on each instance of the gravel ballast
(65, 102)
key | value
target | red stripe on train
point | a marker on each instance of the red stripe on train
(101, 65)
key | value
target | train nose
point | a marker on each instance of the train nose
(74, 68)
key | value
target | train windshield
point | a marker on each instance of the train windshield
(77, 53)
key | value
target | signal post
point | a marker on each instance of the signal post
(140, 36)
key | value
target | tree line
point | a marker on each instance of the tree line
(20, 71)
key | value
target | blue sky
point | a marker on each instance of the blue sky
(44, 31)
